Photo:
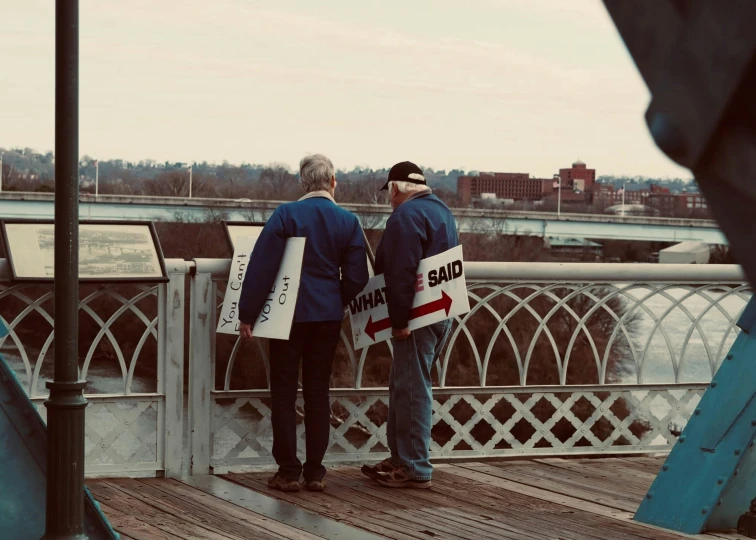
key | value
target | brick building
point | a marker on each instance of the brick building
(578, 177)
(577, 184)
(679, 204)
(514, 186)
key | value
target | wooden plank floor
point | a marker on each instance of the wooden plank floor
(581, 499)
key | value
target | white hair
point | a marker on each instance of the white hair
(316, 172)
(407, 187)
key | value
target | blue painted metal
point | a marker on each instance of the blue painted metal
(23, 465)
(709, 478)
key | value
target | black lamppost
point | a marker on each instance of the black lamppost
(66, 404)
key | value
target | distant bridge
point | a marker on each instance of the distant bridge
(15, 205)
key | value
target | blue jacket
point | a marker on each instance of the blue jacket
(419, 228)
(334, 269)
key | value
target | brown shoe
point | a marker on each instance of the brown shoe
(400, 478)
(315, 485)
(372, 471)
(282, 484)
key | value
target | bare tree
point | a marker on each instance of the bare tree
(174, 183)
(278, 183)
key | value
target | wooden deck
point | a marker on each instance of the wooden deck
(529, 500)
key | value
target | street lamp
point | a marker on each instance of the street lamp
(66, 403)
(559, 196)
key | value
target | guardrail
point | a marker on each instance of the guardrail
(553, 358)
(135, 418)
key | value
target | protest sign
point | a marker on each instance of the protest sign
(440, 293)
(277, 313)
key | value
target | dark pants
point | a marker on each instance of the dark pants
(315, 343)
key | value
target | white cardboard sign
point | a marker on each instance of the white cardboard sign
(440, 293)
(277, 314)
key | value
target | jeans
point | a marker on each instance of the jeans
(315, 344)
(410, 414)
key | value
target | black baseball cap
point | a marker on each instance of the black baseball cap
(406, 171)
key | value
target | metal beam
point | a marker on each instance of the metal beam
(65, 406)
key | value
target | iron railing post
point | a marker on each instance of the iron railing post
(66, 404)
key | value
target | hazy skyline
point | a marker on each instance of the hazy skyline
(505, 85)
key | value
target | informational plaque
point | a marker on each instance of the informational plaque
(108, 251)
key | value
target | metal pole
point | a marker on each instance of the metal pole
(97, 177)
(623, 199)
(190, 181)
(65, 406)
(559, 198)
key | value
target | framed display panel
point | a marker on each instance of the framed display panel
(109, 251)
(241, 229)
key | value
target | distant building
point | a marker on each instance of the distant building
(514, 186)
(579, 177)
(678, 204)
(685, 253)
(573, 248)
(577, 182)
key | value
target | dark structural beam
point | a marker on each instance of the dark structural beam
(66, 404)
(698, 59)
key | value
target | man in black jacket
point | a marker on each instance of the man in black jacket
(421, 226)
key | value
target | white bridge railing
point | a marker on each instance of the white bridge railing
(552, 359)
(132, 355)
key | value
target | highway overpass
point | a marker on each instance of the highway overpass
(15, 205)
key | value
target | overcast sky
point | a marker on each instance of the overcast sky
(504, 85)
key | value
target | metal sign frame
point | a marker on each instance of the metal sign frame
(149, 224)
(226, 225)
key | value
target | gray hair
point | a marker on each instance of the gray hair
(407, 187)
(316, 172)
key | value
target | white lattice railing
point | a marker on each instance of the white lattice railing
(132, 355)
(552, 359)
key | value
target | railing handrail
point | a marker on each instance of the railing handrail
(556, 271)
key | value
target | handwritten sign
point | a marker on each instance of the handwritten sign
(440, 293)
(277, 314)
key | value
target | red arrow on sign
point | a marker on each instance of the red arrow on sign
(445, 303)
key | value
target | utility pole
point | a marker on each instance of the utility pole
(65, 407)
(623, 199)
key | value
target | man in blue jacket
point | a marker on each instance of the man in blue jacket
(334, 271)
(420, 226)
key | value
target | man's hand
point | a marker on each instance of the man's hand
(402, 334)
(245, 331)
